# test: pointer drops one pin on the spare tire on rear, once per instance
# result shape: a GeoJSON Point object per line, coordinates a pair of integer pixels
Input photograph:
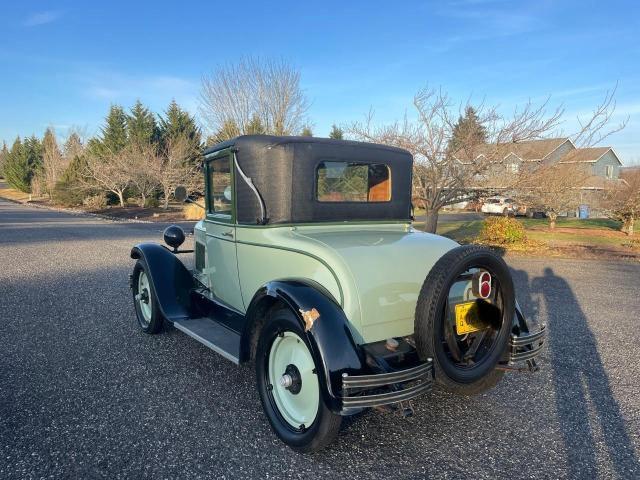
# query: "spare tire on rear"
{"type": "Point", "coordinates": [465, 363]}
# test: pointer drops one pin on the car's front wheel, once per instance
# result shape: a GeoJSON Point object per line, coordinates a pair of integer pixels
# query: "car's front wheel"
{"type": "Point", "coordinates": [145, 301]}
{"type": "Point", "coordinates": [288, 385]}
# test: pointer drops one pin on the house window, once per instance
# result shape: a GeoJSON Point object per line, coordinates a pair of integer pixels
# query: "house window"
{"type": "Point", "coordinates": [609, 171]}
{"type": "Point", "coordinates": [514, 167]}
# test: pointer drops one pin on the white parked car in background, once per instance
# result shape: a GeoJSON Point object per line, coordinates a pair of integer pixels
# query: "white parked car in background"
{"type": "Point", "coordinates": [500, 205]}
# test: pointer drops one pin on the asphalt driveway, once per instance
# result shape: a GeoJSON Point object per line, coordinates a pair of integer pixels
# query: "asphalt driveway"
{"type": "Point", "coordinates": [84, 394]}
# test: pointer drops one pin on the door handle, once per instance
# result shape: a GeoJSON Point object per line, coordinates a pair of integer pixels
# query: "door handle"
{"type": "Point", "coordinates": [228, 234]}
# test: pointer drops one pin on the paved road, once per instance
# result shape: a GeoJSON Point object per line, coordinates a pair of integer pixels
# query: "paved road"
{"type": "Point", "coordinates": [84, 394]}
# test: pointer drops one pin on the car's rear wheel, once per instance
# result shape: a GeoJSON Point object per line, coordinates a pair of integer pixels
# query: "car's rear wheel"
{"type": "Point", "coordinates": [144, 298]}
{"type": "Point", "coordinates": [288, 385]}
{"type": "Point", "coordinates": [465, 347]}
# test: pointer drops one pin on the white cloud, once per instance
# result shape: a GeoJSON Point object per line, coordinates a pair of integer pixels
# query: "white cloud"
{"type": "Point", "coordinates": [41, 18]}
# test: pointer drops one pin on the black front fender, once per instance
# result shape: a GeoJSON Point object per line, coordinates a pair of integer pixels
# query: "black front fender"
{"type": "Point", "coordinates": [332, 345]}
{"type": "Point", "coordinates": [170, 280]}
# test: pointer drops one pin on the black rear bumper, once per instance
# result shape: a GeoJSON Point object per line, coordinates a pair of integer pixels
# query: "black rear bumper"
{"type": "Point", "coordinates": [523, 350]}
{"type": "Point", "coordinates": [524, 346]}
{"type": "Point", "coordinates": [364, 391]}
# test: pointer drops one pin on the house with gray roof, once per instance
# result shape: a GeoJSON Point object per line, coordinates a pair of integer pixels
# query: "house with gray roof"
{"type": "Point", "coordinates": [508, 159]}
{"type": "Point", "coordinates": [602, 162]}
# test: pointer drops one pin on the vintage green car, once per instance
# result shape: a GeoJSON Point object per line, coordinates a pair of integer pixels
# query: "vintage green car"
{"type": "Point", "coordinates": [308, 265]}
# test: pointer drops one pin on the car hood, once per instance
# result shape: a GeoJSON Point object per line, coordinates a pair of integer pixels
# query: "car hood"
{"type": "Point", "coordinates": [387, 269]}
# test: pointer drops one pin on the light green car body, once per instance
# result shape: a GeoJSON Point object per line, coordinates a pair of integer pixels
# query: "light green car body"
{"type": "Point", "coordinates": [373, 270]}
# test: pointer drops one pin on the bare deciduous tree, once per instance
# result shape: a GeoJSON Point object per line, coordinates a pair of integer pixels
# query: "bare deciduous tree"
{"type": "Point", "coordinates": [108, 171]}
{"type": "Point", "coordinates": [74, 144]}
{"type": "Point", "coordinates": [268, 90]}
{"type": "Point", "coordinates": [175, 169]}
{"type": "Point", "coordinates": [597, 127]}
{"type": "Point", "coordinates": [556, 188]}
{"type": "Point", "coordinates": [53, 162]}
{"type": "Point", "coordinates": [623, 201]}
{"type": "Point", "coordinates": [142, 164]}
{"type": "Point", "coordinates": [552, 188]}
{"type": "Point", "coordinates": [442, 177]}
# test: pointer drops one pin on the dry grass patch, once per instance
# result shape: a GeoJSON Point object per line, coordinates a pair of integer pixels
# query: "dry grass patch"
{"type": "Point", "coordinates": [15, 195]}
{"type": "Point", "coordinates": [192, 211]}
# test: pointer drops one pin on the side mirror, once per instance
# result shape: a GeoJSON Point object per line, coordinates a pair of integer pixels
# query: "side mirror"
{"type": "Point", "coordinates": [180, 194]}
{"type": "Point", "coordinates": [227, 193]}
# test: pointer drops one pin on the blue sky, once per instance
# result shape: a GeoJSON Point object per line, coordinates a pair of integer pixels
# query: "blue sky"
{"type": "Point", "coordinates": [63, 63]}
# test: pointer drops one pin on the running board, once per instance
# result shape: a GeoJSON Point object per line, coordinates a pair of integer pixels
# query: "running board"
{"type": "Point", "coordinates": [210, 333]}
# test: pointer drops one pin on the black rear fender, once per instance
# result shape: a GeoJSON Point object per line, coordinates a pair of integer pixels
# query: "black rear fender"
{"type": "Point", "coordinates": [331, 341]}
{"type": "Point", "coordinates": [170, 280]}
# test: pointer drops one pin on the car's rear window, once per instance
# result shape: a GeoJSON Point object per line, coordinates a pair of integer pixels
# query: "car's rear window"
{"type": "Point", "coordinates": [353, 182]}
{"type": "Point", "coordinates": [493, 200]}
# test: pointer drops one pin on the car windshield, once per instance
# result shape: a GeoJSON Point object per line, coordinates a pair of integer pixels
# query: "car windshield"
{"type": "Point", "coordinates": [493, 200]}
{"type": "Point", "coordinates": [353, 182]}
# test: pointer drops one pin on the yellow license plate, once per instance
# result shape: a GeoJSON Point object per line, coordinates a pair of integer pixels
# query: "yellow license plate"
{"type": "Point", "coordinates": [467, 320]}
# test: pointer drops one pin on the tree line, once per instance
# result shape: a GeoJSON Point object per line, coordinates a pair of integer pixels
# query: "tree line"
{"type": "Point", "coordinates": [136, 154]}
{"type": "Point", "coordinates": [143, 155]}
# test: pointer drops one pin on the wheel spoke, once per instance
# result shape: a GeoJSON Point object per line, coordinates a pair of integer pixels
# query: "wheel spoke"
{"type": "Point", "coordinates": [450, 334]}
{"type": "Point", "coordinates": [475, 343]}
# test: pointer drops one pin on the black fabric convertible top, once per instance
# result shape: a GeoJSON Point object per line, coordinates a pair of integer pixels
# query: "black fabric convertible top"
{"type": "Point", "coordinates": [283, 169]}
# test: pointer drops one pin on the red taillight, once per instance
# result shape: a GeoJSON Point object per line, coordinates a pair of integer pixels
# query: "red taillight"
{"type": "Point", "coordinates": [482, 284]}
{"type": "Point", "coordinates": [485, 289]}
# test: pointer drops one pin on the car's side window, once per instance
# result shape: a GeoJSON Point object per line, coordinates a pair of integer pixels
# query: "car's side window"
{"type": "Point", "coordinates": [220, 188]}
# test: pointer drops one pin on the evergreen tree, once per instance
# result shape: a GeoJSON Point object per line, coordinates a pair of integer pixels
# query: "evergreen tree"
{"type": "Point", "coordinates": [16, 167]}
{"type": "Point", "coordinates": [3, 155]}
{"type": "Point", "coordinates": [336, 132]}
{"type": "Point", "coordinates": [228, 131]}
{"type": "Point", "coordinates": [33, 150]}
{"type": "Point", "coordinates": [141, 126]}
{"type": "Point", "coordinates": [468, 132]}
{"type": "Point", "coordinates": [255, 127]}
{"type": "Point", "coordinates": [114, 132]}
{"type": "Point", "coordinates": [176, 124]}
{"type": "Point", "coordinates": [306, 131]}
{"type": "Point", "coordinates": [68, 190]}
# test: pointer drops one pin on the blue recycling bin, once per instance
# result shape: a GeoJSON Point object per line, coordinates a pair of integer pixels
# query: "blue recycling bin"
{"type": "Point", "coordinates": [583, 211]}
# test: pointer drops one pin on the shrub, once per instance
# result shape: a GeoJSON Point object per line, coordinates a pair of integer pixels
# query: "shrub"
{"type": "Point", "coordinates": [68, 194]}
{"type": "Point", "coordinates": [192, 212]}
{"type": "Point", "coordinates": [502, 231]}
{"type": "Point", "coordinates": [151, 202]}
{"type": "Point", "coordinates": [95, 202]}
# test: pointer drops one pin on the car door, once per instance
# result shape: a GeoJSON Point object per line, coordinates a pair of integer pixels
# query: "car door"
{"type": "Point", "coordinates": [221, 253]}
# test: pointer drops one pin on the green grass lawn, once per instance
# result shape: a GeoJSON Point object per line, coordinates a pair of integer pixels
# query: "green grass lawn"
{"type": "Point", "coordinates": [598, 223]}
{"type": "Point", "coordinates": [598, 232]}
